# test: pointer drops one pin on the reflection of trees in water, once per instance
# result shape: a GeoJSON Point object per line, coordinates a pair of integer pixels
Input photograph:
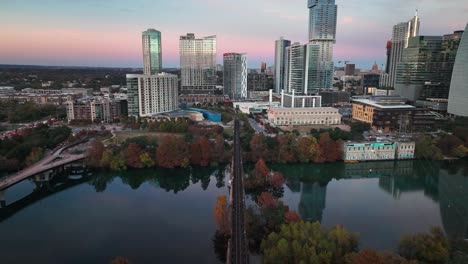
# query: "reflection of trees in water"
{"type": "Point", "coordinates": [171, 180]}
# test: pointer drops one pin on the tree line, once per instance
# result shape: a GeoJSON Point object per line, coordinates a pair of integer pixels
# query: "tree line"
{"type": "Point", "coordinates": [29, 147]}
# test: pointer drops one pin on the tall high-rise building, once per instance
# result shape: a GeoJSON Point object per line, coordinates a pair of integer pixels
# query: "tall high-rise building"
{"type": "Point", "coordinates": [295, 68]}
{"type": "Point", "coordinates": [280, 63]}
{"type": "Point", "coordinates": [400, 37]}
{"type": "Point", "coordinates": [152, 51]}
{"type": "Point", "coordinates": [235, 75]}
{"type": "Point", "coordinates": [425, 69]}
{"type": "Point", "coordinates": [198, 64]}
{"type": "Point", "coordinates": [152, 94]}
{"type": "Point", "coordinates": [303, 71]}
{"type": "Point", "coordinates": [458, 96]}
{"type": "Point", "coordinates": [322, 33]}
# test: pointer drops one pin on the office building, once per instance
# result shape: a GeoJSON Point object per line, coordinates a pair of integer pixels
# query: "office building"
{"type": "Point", "coordinates": [391, 113]}
{"type": "Point", "coordinates": [425, 69]}
{"type": "Point", "coordinates": [235, 76]}
{"type": "Point", "coordinates": [349, 69]}
{"type": "Point", "coordinates": [152, 94]}
{"type": "Point", "coordinates": [198, 64]}
{"type": "Point", "coordinates": [152, 52]}
{"type": "Point", "coordinates": [369, 82]}
{"type": "Point", "coordinates": [458, 97]}
{"type": "Point", "coordinates": [332, 98]}
{"type": "Point", "coordinates": [400, 38]}
{"type": "Point", "coordinates": [320, 116]}
{"type": "Point", "coordinates": [322, 33]}
{"type": "Point", "coordinates": [258, 82]}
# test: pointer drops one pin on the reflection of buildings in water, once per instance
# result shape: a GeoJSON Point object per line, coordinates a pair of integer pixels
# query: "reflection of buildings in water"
{"type": "Point", "coordinates": [409, 178]}
{"type": "Point", "coordinates": [453, 194]}
{"type": "Point", "coordinates": [312, 201]}
{"type": "Point", "coordinates": [378, 169]}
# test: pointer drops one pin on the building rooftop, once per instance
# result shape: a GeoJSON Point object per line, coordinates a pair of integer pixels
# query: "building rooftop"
{"type": "Point", "coordinates": [384, 104]}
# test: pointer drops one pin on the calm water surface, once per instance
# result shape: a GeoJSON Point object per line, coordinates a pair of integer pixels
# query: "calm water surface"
{"type": "Point", "coordinates": [165, 216]}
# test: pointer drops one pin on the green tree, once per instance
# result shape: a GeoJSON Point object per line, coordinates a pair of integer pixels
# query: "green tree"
{"type": "Point", "coordinates": [426, 149]}
{"type": "Point", "coordinates": [146, 160]}
{"type": "Point", "coordinates": [306, 242]}
{"type": "Point", "coordinates": [432, 247]}
{"type": "Point", "coordinates": [35, 155]}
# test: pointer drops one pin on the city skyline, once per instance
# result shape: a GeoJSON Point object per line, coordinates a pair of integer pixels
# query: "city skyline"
{"type": "Point", "coordinates": [57, 25]}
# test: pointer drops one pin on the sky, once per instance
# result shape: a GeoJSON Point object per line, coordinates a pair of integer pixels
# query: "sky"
{"type": "Point", "coordinates": [108, 32]}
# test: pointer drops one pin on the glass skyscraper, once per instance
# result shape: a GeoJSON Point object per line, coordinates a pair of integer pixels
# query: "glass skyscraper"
{"type": "Point", "coordinates": [458, 96]}
{"type": "Point", "coordinates": [280, 63]}
{"type": "Point", "coordinates": [235, 76]}
{"type": "Point", "coordinates": [198, 64]}
{"type": "Point", "coordinates": [322, 33]}
{"type": "Point", "coordinates": [400, 38]}
{"type": "Point", "coordinates": [152, 52]}
{"type": "Point", "coordinates": [425, 69]}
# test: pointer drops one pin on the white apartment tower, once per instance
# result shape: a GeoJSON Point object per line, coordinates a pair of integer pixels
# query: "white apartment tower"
{"type": "Point", "coordinates": [152, 94]}
{"type": "Point", "coordinates": [198, 64]}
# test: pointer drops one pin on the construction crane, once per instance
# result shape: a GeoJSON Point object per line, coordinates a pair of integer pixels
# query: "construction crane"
{"type": "Point", "coordinates": [345, 62]}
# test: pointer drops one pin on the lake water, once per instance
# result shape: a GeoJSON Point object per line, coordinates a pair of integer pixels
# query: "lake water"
{"type": "Point", "coordinates": [165, 216]}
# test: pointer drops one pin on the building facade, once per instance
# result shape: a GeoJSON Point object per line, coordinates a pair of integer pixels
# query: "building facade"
{"type": "Point", "coordinates": [320, 116]}
{"type": "Point", "coordinates": [458, 96]}
{"type": "Point", "coordinates": [369, 82]}
{"type": "Point", "coordinates": [295, 68]}
{"type": "Point", "coordinates": [96, 109]}
{"type": "Point", "coordinates": [400, 38]}
{"type": "Point", "coordinates": [349, 69]}
{"type": "Point", "coordinates": [293, 100]}
{"type": "Point", "coordinates": [152, 52]}
{"type": "Point", "coordinates": [152, 94]}
{"type": "Point", "coordinates": [235, 76]}
{"type": "Point", "coordinates": [373, 151]}
{"type": "Point", "coordinates": [391, 113]}
{"type": "Point", "coordinates": [198, 64]}
{"type": "Point", "coordinates": [332, 98]}
{"type": "Point", "coordinates": [322, 33]}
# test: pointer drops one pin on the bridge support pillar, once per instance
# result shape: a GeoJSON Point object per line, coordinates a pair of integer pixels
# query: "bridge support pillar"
{"type": "Point", "coordinates": [2, 198]}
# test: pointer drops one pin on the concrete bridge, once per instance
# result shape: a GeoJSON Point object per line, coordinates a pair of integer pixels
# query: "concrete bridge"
{"type": "Point", "coordinates": [57, 159]}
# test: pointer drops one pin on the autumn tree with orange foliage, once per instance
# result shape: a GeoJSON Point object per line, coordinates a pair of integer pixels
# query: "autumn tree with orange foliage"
{"type": "Point", "coordinates": [95, 152]}
{"type": "Point", "coordinates": [292, 217]}
{"type": "Point", "coordinates": [173, 152]}
{"type": "Point", "coordinates": [258, 147]}
{"type": "Point", "coordinates": [221, 215]}
{"type": "Point", "coordinates": [133, 156]}
{"type": "Point", "coordinates": [261, 169]}
{"type": "Point", "coordinates": [287, 146]}
{"type": "Point", "coordinates": [329, 150]}
{"type": "Point", "coordinates": [267, 200]}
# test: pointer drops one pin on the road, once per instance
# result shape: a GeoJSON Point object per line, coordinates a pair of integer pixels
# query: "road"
{"type": "Point", "coordinates": [256, 127]}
